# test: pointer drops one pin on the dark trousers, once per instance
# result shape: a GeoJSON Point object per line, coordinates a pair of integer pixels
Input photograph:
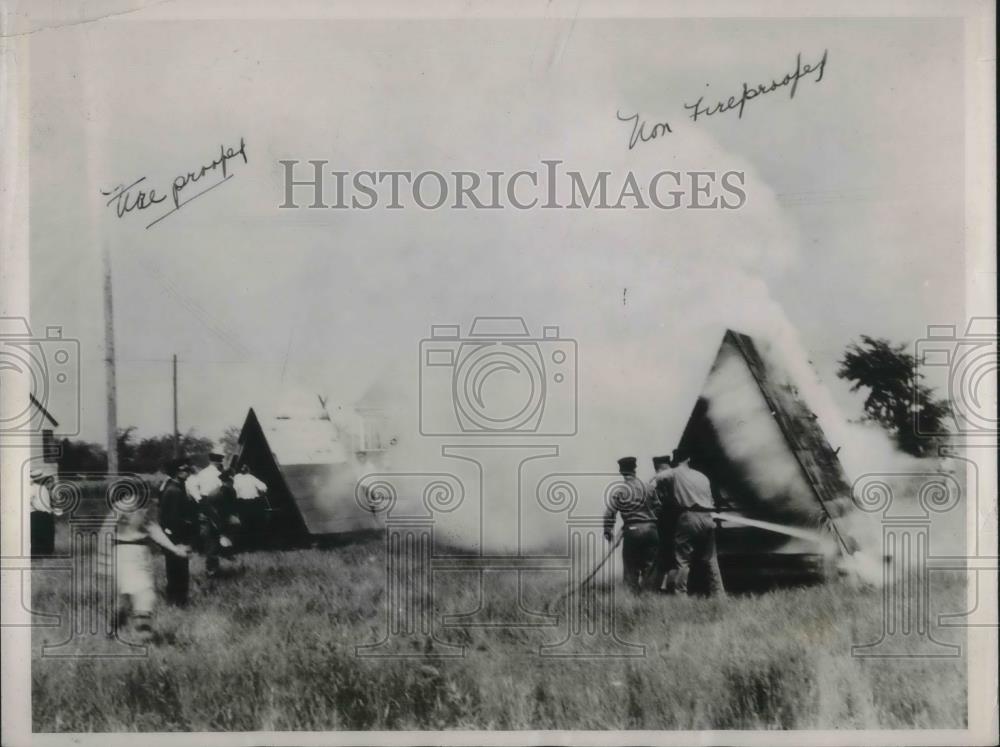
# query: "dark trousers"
{"type": "Point", "coordinates": [210, 528]}
{"type": "Point", "coordinates": [210, 545]}
{"type": "Point", "coordinates": [667, 526]}
{"type": "Point", "coordinates": [640, 548]}
{"type": "Point", "coordinates": [178, 579]}
{"type": "Point", "coordinates": [43, 534]}
{"type": "Point", "coordinates": [694, 545]}
{"type": "Point", "coordinates": [252, 515]}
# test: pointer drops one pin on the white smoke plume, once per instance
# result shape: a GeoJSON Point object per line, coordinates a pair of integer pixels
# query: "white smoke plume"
{"type": "Point", "coordinates": [645, 295]}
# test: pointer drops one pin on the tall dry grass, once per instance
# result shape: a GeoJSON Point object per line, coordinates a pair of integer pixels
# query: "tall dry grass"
{"type": "Point", "coordinates": [270, 645]}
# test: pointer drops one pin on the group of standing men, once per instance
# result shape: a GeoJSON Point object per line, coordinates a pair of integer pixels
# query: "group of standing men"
{"type": "Point", "coordinates": [194, 508]}
{"type": "Point", "coordinates": [205, 508]}
{"type": "Point", "coordinates": [202, 508]}
{"type": "Point", "coordinates": [667, 527]}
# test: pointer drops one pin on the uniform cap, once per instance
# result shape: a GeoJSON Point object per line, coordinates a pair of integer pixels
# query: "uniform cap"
{"type": "Point", "coordinates": [213, 457]}
{"type": "Point", "coordinates": [626, 464]}
{"type": "Point", "coordinates": [173, 465]}
{"type": "Point", "coordinates": [659, 461]}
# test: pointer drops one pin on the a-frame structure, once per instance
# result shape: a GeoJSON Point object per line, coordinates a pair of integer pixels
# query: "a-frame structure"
{"type": "Point", "coordinates": [765, 453]}
{"type": "Point", "coordinates": [310, 475]}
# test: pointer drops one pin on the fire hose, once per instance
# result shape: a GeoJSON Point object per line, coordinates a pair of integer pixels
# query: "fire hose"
{"type": "Point", "coordinates": [797, 532]}
{"type": "Point", "coordinates": [590, 576]}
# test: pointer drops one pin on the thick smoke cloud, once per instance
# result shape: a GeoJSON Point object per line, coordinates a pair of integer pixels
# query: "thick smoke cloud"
{"type": "Point", "coordinates": [646, 296]}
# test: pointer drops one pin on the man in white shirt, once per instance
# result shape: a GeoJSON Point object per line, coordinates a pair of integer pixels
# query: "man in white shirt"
{"type": "Point", "coordinates": [250, 504]}
{"type": "Point", "coordinates": [208, 481]}
{"type": "Point", "coordinates": [248, 487]}
{"type": "Point", "coordinates": [205, 490]}
{"type": "Point", "coordinates": [191, 486]}
{"type": "Point", "coordinates": [694, 536]}
{"type": "Point", "coordinates": [43, 524]}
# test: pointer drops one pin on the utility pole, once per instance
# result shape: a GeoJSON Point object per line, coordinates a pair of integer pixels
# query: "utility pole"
{"type": "Point", "coordinates": [177, 434]}
{"type": "Point", "coordinates": [109, 365]}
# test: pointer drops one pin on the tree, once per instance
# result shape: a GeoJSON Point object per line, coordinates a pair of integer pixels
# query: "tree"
{"type": "Point", "coordinates": [193, 445]}
{"type": "Point", "coordinates": [229, 443]}
{"type": "Point", "coordinates": [897, 399]}
{"type": "Point", "coordinates": [81, 456]}
{"type": "Point", "coordinates": [145, 456]}
{"type": "Point", "coordinates": [152, 453]}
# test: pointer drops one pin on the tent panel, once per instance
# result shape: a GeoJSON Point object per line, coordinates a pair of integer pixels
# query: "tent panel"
{"type": "Point", "coordinates": [313, 497]}
{"type": "Point", "coordinates": [762, 448]}
{"type": "Point", "coordinates": [324, 495]}
{"type": "Point", "coordinates": [801, 429]}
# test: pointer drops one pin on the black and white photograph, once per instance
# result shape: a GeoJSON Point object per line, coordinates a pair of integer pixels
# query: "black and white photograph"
{"type": "Point", "coordinates": [498, 372]}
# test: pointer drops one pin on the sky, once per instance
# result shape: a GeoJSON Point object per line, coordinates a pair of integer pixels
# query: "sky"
{"type": "Point", "coordinates": [853, 222]}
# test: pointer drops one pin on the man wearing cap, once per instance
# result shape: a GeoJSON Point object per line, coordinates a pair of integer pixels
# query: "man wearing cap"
{"type": "Point", "coordinates": [208, 481]}
{"type": "Point", "coordinates": [207, 490]}
{"type": "Point", "coordinates": [668, 516]}
{"type": "Point", "coordinates": [639, 507]}
{"type": "Point", "coordinates": [177, 519]}
{"type": "Point", "coordinates": [694, 537]}
{"type": "Point", "coordinates": [43, 523]}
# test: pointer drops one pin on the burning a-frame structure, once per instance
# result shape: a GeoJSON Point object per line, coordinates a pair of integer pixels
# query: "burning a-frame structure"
{"type": "Point", "coordinates": [769, 461]}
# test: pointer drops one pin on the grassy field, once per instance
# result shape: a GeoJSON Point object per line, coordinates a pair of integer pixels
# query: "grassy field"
{"type": "Point", "coordinates": [270, 644]}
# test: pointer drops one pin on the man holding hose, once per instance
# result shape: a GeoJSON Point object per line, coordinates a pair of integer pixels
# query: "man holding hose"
{"type": "Point", "coordinates": [640, 509]}
{"type": "Point", "coordinates": [694, 536]}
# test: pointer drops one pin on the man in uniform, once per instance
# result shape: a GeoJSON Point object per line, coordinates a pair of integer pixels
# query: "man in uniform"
{"type": "Point", "coordinates": [668, 516]}
{"type": "Point", "coordinates": [694, 538]}
{"type": "Point", "coordinates": [177, 517]}
{"type": "Point", "coordinates": [640, 509]}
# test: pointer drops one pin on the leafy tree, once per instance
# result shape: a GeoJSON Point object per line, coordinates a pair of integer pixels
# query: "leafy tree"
{"type": "Point", "coordinates": [144, 456]}
{"type": "Point", "coordinates": [229, 443]}
{"type": "Point", "coordinates": [897, 399]}
{"type": "Point", "coordinates": [195, 446]}
{"type": "Point", "coordinates": [150, 454]}
{"type": "Point", "coordinates": [81, 456]}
